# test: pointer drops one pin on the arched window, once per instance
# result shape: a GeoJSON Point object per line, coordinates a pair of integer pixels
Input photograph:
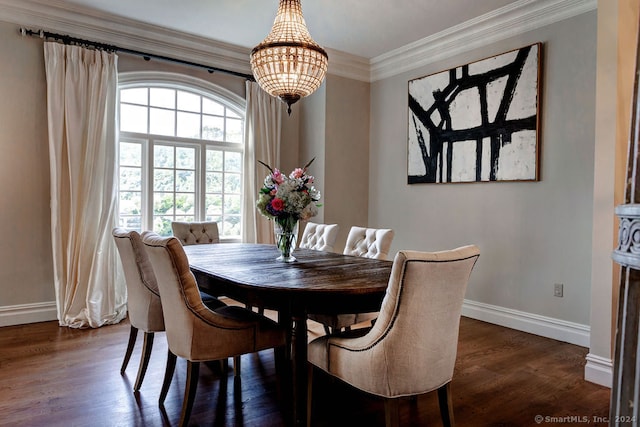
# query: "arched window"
{"type": "Point", "coordinates": [181, 150]}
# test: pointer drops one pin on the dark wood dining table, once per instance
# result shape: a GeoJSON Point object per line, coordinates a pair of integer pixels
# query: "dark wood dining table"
{"type": "Point", "coordinates": [317, 282]}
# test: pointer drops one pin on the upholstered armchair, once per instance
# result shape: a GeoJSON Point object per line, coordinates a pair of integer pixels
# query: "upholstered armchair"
{"type": "Point", "coordinates": [367, 243]}
{"type": "Point", "coordinates": [195, 233]}
{"type": "Point", "coordinates": [320, 237]}
{"type": "Point", "coordinates": [194, 332]}
{"type": "Point", "coordinates": [143, 298]}
{"type": "Point", "coordinates": [411, 348]}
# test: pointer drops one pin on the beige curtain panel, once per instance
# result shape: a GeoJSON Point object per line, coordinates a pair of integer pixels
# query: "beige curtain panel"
{"type": "Point", "coordinates": [82, 89]}
{"type": "Point", "coordinates": [263, 121]}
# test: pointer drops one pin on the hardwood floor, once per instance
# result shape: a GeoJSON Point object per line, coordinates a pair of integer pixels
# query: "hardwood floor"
{"type": "Point", "coordinates": [53, 376]}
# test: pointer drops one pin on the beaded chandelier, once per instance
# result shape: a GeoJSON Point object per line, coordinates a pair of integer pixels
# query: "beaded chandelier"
{"type": "Point", "coordinates": [288, 63]}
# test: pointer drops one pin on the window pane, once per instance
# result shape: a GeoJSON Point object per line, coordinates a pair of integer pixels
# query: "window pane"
{"type": "Point", "coordinates": [212, 107]}
{"type": "Point", "coordinates": [130, 179]}
{"type": "Point", "coordinates": [185, 204]}
{"type": "Point", "coordinates": [234, 130]}
{"type": "Point", "coordinates": [162, 225]}
{"type": "Point", "coordinates": [185, 158]}
{"type": "Point", "coordinates": [133, 118]}
{"type": "Point", "coordinates": [188, 101]}
{"type": "Point", "coordinates": [188, 218]}
{"type": "Point", "coordinates": [130, 203]}
{"type": "Point", "coordinates": [188, 125]}
{"type": "Point", "coordinates": [163, 180]}
{"type": "Point", "coordinates": [214, 160]}
{"type": "Point", "coordinates": [161, 97]}
{"type": "Point", "coordinates": [130, 154]}
{"type": "Point", "coordinates": [163, 203]}
{"type": "Point", "coordinates": [231, 226]}
{"type": "Point", "coordinates": [134, 96]}
{"type": "Point", "coordinates": [232, 162]}
{"type": "Point", "coordinates": [212, 128]}
{"type": "Point", "coordinates": [185, 181]}
{"type": "Point", "coordinates": [232, 183]}
{"type": "Point", "coordinates": [162, 122]}
{"type": "Point", "coordinates": [131, 222]}
{"type": "Point", "coordinates": [232, 205]}
{"type": "Point", "coordinates": [213, 204]}
{"type": "Point", "coordinates": [163, 156]}
{"type": "Point", "coordinates": [214, 182]}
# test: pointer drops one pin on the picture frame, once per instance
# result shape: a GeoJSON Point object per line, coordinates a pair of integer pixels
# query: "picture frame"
{"type": "Point", "coordinates": [478, 122]}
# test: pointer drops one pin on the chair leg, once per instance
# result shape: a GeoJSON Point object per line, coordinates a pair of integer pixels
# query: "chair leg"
{"type": "Point", "coordinates": [133, 334]}
{"type": "Point", "coordinates": [236, 366]}
{"type": "Point", "coordinates": [193, 369]}
{"type": "Point", "coordinates": [392, 412]}
{"type": "Point", "coordinates": [144, 359]}
{"type": "Point", "coordinates": [309, 392]}
{"type": "Point", "coordinates": [446, 405]}
{"type": "Point", "coordinates": [168, 376]}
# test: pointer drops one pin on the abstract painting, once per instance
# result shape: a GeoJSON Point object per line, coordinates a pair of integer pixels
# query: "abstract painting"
{"type": "Point", "coordinates": [478, 122]}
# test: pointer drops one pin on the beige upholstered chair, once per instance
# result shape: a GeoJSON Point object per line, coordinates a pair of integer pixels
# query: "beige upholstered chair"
{"type": "Point", "coordinates": [367, 243]}
{"type": "Point", "coordinates": [320, 237]}
{"type": "Point", "coordinates": [194, 332]}
{"type": "Point", "coordinates": [411, 348]}
{"type": "Point", "coordinates": [194, 233]}
{"type": "Point", "coordinates": [143, 298]}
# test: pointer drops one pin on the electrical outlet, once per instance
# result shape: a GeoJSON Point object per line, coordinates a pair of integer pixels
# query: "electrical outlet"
{"type": "Point", "coordinates": [558, 290]}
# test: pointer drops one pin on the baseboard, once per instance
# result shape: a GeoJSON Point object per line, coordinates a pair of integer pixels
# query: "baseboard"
{"type": "Point", "coordinates": [549, 327]}
{"type": "Point", "coordinates": [28, 313]}
{"type": "Point", "coordinates": [599, 370]}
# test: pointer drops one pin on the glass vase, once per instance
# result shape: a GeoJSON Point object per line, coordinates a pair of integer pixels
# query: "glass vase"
{"type": "Point", "coordinates": [286, 234]}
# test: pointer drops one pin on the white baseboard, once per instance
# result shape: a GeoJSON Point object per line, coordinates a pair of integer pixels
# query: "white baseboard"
{"type": "Point", "coordinates": [549, 327]}
{"type": "Point", "coordinates": [28, 313]}
{"type": "Point", "coordinates": [599, 370]}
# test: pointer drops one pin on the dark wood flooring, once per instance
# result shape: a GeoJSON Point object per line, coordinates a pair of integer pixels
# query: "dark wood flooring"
{"type": "Point", "coordinates": [54, 376]}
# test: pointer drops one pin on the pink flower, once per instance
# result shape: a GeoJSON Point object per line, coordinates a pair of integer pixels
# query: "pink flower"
{"type": "Point", "coordinates": [297, 173]}
{"type": "Point", "coordinates": [278, 178]}
{"type": "Point", "coordinates": [277, 204]}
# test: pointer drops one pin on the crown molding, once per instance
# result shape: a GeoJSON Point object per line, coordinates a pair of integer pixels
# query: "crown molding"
{"type": "Point", "coordinates": [57, 16]}
{"type": "Point", "coordinates": [509, 21]}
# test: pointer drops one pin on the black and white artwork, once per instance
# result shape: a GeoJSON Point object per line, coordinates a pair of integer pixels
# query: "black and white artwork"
{"type": "Point", "coordinates": [478, 122]}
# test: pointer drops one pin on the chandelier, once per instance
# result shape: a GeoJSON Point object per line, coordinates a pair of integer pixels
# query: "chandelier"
{"type": "Point", "coordinates": [288, 63]}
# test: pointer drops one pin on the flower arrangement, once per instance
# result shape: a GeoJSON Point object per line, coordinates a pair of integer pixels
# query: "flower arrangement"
{"type": "Point", "coordinates": [288, 197]}
{"type": "Point", "coordinates": [286, 200]}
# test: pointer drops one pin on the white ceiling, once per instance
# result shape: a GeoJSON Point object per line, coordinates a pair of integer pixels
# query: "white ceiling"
{"type": "Point", "coordinates": [366, 28]}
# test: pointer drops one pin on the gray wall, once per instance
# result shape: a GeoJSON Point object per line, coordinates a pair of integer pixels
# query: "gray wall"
{"type": "Point", "coordinates": [26, 267]}
{"type": "Point", "coordinates": [531, 234]}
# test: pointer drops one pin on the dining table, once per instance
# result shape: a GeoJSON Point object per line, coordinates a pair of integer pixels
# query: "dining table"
{"type": "Point", "coordinates": [317, 282]}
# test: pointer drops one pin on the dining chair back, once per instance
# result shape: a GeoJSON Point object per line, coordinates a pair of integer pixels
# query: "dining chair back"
{"type": "Point", "coordinates": [195, 233]}
{"type": "Point", "coordinates": [320, 237]}
{"type": "Point", "coordinates": [369, 242]}
{"type": "Point", "coordinates": [411, 348]}
{"type": "Point", "coordinates": [194, 332]}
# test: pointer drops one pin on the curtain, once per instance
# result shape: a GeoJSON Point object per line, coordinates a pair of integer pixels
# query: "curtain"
{"type": "Point", "coordinates": [263, 121]}
{"type": "Point", "coordinates": [82, 89]}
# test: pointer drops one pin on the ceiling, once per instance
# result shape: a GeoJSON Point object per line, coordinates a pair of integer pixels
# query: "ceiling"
{"type": "Point", "coordinates": [366, 28]}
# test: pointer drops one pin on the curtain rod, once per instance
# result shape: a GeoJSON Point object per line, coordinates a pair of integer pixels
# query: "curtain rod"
{"type": "Point", "coordinates": [111, 48]}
